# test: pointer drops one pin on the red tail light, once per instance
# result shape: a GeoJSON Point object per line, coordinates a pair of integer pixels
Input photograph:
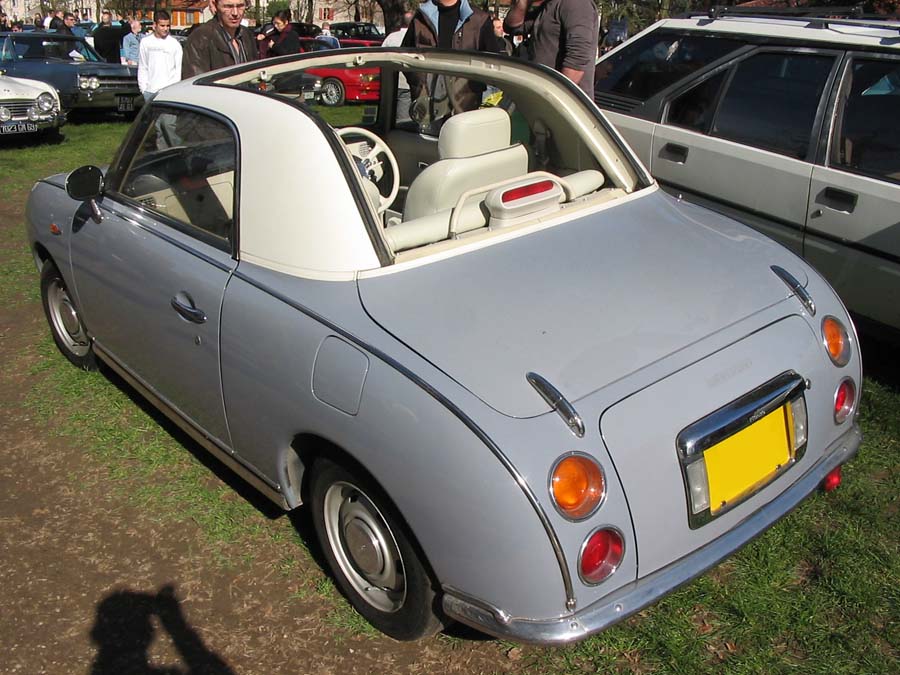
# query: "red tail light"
{"type": "Point", "coordinates": [844, 399]}
{"type": "Point", "coordinates": [832, 480]}
{"type": "Point", "coordinates": [601, 555]}
{"type": "Point", "coordinates": [527, 190]}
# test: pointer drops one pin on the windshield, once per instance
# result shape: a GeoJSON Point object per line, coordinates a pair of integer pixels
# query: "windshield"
{"type": "Point", "coordinates": [44, 47]}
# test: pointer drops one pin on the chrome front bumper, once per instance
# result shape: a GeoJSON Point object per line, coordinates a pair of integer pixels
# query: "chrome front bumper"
{"type": "Point", "coordinates": [643, 592]}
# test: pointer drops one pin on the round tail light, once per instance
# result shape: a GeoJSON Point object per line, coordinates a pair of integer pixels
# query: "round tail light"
{"type": "Point", "coordinates": [577, 486]}
{"type": "Point", "coordinates": [836, 340]}
{"type": "Point", "coordinates": [601, 555]}
{"type": "Point", "coordinates": [844, 400]}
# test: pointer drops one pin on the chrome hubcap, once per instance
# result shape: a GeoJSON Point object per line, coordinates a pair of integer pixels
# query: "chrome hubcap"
{"type": "Point", "coordinates": [66, 322]}
{"type": "Point", "coordinates": [330, 92]}
{"type": "Point", "coordinates": [364, 547]}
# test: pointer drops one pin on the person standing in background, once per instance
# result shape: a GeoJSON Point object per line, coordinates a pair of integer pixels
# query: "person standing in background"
{"type": "Point", "coordinates": [108, 38]}
{"type": "Point", "coordinates": [286, 41]}
{"type": "Point", "coordinates": [221, 41]}
{"type": "Point", "coordinates": [159, 57]}
{"type": "Point", "coordinates": [561, 34]}
{"type": "Point", "coordinates": [131, 44]}
{"type": "Point", "coordinates": [395, 39]}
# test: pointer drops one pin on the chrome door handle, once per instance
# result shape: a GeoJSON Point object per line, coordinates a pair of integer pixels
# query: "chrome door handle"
{"type": "Point", "coordinates": [188, 311]}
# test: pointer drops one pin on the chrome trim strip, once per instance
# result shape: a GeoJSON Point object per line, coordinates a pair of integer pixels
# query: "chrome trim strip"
{"type": "Point", "coordinates": [739, 414]}
{"type": "Point", "coordinates": [519, 479]}
{"type": "Point", "coordinates": [643, 592]}
{"type": "Point", "coordinates": [557, 402]}
{"type": "Point", "coordinates": [233, 462]}
{"type": "Point", "coordinates": [791, 282]}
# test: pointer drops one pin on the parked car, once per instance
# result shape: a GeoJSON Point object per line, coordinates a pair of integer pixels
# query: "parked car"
{"type": "Point", "coordinates": [341, 84]}
{"type": "Point", "coordinates": [357, 34]}
{"type": "Point", "coordinates": [516, 384]}
{"type": "Point", "coordinates": [28, 106]}
{"type": "Point", "coordinates": [789, 124]}
{"type": "Point", "coordinates": [82, 78]}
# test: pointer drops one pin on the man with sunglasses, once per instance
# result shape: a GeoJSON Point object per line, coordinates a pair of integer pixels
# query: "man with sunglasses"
{"type": "Point", "coordinates": [221, 41]}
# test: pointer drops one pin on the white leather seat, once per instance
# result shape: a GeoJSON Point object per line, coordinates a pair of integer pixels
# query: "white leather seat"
{"type": "Point", "coordinates": [474, 150]}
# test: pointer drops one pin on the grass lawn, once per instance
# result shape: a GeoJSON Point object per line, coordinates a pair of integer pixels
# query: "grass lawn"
{"type": "Point", "coordinates": [819, 593]}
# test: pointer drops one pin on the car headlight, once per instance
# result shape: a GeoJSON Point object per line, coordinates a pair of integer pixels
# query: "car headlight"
{"type": "Point", "coordinates": [45, 102]}
{"type": "Point", "coordinates": [84, 82]}
{"type": "Point", "coordinates": [33, 114]}
{"type": "Point", "coordinates": [5, 115]}
{"type": "Point", "coordinates": [368, 77]}
{"type": "Point", "coordinates": [93, 82]}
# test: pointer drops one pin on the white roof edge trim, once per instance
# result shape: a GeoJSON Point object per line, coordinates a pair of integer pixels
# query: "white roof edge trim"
{"type": "Point", "coordinates": [768, 26]}
{"type": "Point", "coordinates": [316, 275]}
{"type": "Point", "coordinates": [499, 236]}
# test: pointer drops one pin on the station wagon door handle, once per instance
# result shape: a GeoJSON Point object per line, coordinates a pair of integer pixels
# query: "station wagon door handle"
{"type": "Point", "coordinates": [674, 153]}
{"type": "Point", "coordinates": [838, 200]}
{"type": "Point", "coordinates": [184, 305]}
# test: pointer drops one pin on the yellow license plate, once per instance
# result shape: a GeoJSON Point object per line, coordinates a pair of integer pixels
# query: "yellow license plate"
{"type": "Point", "coordinates": [744, 462]}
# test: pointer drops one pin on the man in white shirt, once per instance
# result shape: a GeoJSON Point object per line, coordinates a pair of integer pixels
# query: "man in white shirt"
{"type": "Point", "coordinates": [159, 57]}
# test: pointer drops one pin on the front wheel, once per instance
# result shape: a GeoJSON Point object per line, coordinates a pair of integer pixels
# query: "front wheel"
{"type": "Point", "coordinates": [370, 554]}
{"type": "Point", "coordinates": [66, 327]}
{"type": "Point", "coordinates": [332, 92]}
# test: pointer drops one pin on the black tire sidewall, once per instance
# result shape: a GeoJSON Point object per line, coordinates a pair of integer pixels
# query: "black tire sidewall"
{"type": "Point", "coordinates": [50, 273]}
{"type": "Point", "coordinates": [417, 618]}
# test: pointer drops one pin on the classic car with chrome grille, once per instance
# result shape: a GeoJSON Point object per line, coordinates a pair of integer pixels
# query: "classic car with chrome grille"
{"type": "Point", "coordinates": [516, 384]}
{"type": "Point", "coordinates": [28, 106]}
{"type": "Point", "coordinates": [82, 78]}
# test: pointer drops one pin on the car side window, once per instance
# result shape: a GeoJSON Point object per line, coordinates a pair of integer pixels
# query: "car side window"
{"type": "Point", "coordinates": [646, 66]}
{"type": "Point", "coordinates": [867, 140]}
{"type": "Point", "coordinates": [772, 100]}
{"type": "Point", "coordinates": [694, 109]}
{"type": "Point", "coordinates": [184, 169]}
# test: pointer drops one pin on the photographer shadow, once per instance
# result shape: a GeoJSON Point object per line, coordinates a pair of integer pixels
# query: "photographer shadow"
{"type": "Point", "coordinates": [124, 630]}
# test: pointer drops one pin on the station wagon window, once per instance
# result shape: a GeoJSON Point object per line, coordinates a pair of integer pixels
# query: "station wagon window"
{"type": "Point", "coordinates": [695, 108]}
{"type": "Point", "coordinates": [772, 100]}
{"type": "Point", "coordinates": [646, 66]}
{"type": "Point", "coordinates": [184, 170]}
{"type": "Point", "coordinates": [867, 140]}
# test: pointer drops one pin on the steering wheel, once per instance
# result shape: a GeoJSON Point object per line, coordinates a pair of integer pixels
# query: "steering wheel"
{"type": "Point", "coordinates": [369, 158]}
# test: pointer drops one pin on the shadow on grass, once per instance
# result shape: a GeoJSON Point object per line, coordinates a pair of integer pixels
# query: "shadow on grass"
{"type": "Point", "coordinates": [250, 494]}
{"type": "Point", "coordinates": [124, 631]}
{"type": "Point", "coordinates": [880, 362]}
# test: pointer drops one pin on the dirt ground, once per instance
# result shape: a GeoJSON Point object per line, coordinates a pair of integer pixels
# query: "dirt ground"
{"type": "Point", "coordinates": [92, 582]}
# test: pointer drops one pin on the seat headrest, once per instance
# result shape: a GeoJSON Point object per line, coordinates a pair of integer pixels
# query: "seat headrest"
{"type": "Point", "coordinates": [474, 133]}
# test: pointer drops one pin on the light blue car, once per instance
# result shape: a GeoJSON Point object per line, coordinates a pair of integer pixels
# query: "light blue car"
{"type": "Point", "coordinates": [517, 384]}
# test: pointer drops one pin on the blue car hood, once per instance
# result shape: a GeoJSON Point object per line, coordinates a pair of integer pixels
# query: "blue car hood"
{"type": "Point", "coordinates": [583, 303]}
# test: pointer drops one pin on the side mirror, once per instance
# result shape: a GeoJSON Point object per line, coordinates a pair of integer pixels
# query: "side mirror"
{"type": "Point", "coordinates": [86, 184]}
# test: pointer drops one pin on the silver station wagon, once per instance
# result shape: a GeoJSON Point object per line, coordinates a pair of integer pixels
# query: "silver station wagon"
{"type": "Point", "coordinates": [517, 384]}
{"type": "Point", "coordinates": [788, 124]}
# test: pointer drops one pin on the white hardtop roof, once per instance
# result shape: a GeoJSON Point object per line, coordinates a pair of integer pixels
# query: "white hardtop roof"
{"type": "Point", "coordinates": [845, 31]}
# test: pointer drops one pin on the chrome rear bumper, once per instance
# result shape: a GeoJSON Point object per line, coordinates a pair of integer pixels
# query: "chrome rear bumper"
{"type": "Point", "coordinates": [639, 594]}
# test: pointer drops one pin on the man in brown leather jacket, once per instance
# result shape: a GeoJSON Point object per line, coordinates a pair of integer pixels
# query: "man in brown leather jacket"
{"type": "Point", "coordinates": [221, 41]}
{"type": "Point", "coordinates": [451, 24]}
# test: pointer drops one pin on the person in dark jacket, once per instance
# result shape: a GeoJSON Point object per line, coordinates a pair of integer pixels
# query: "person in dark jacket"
{"type": "Point", "coordinates": [286, 41]}
{"type": "Point", "coordinates": [68, 24]}
{"type": "Point", "coordinates": [221, 41]}
{"type": "Point", "coordinates": [108, 38]}
{"type": "Point", "coordinates": [448, 24]}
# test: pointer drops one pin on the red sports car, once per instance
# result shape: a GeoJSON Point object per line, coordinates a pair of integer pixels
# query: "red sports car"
{"type": "Point", "coordinates": [343, 84]}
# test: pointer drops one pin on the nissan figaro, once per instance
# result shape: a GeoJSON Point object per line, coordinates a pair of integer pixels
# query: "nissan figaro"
{"type": "Point", "coordinates": [516, 384]}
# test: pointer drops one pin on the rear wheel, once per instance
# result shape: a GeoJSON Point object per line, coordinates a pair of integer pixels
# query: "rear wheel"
{"type": "Point", "coordinates": [66, 327]}
{"type": "Point", "coordinates": [371, 555]}
{"type": "Point", "coordinates": [332, 92]}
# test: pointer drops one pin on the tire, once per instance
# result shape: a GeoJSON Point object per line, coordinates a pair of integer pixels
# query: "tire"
{"type": "Point", "coordinates": [371, 554]}
{"type": "Point", "coordinates": [66, 326]}
{"type": "Point", "coordinates": [332, 92]}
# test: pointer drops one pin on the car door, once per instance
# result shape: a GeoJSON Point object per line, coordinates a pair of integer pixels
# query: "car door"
{"type": "Point", "coordinates": [853, 226]}
{"type": "Point", "coordinates": [150, 276]}
{"type": "Point", "coordinates": [741, 140]}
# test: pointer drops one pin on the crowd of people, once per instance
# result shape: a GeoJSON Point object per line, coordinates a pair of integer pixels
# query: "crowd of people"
{"type": "Point", "coordinates": [561, 34]}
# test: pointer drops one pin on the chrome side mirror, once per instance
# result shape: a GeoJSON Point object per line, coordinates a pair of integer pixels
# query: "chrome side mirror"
{"type": "Point", "coordinates": [86, 184]}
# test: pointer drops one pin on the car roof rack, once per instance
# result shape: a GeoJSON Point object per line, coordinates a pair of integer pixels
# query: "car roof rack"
{"type": "Point", "coordinates": [815, 16]}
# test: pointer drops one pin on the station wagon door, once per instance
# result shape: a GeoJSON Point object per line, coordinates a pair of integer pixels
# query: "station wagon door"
{"type": "Point", "coordinates": [741, 139]}
{"type": "Point", "coordinates": [853, 231]}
